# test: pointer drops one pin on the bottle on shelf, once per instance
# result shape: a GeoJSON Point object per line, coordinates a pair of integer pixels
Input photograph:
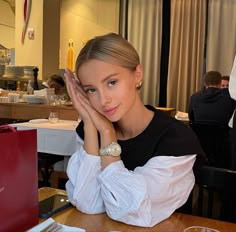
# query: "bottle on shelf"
{"type": "Point", "coordinates": [70, 56]}
{"type": "Point", "coordinates": [25, 87]}
{"type": "Point", "coordinates": [18, 89]}
{"type": "Point", "coordinates": [35, 86]}
{"type": "Point", "coordinates": [30, 89]}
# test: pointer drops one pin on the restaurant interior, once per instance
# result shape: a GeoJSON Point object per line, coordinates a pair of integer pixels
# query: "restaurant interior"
{"type": "Point", "coordinates": [178, 42]}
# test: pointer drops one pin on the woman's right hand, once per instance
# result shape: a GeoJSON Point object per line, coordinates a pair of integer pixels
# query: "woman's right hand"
{"type": "Point", "coordinates": [75, 91]}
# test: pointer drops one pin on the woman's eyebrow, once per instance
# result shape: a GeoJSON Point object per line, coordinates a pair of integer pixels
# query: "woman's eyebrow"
{"type": "Point", "coordinates": [103, 80]}
{"type": "Point", "coordinates": [109, 76]}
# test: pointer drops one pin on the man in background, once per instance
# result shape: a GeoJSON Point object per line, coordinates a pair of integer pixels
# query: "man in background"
{"type": "Point", "coordinates": [224, 82]}
{"type": "Point", "coordinates": [211, 105]}
{"type": "Point", "coordinates": [209, 112]}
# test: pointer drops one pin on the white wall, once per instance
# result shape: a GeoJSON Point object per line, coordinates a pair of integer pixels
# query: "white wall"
{"type": "Point", "coordinates": [7, 25]}
{"type": "Point", "coordinates": [83, 19]}
{"type": "Point", "coordinates": [79, 20]}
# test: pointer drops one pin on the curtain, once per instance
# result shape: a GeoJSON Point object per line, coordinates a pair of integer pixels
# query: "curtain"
{"type": "Point", "coordinates": [221, 39]}
{"type": "Point", "coordinates": [144, 33]}
{"type": "Point", "coordinates": [186, 51]}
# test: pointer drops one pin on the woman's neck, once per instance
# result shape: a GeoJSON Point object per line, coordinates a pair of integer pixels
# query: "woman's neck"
{"type": "Point", "coordinates": [133, 123]}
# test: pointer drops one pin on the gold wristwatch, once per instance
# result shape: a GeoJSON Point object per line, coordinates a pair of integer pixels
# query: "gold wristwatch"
{"type": "Point", "coordinates": [112, 149]}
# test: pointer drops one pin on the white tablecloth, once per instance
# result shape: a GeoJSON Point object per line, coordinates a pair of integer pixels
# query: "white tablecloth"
{"type": "Point", "coordinates": [54, 138]}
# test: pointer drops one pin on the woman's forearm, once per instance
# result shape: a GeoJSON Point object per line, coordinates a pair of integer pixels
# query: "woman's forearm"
{"type": "Point", "coordinates": [91, 139]}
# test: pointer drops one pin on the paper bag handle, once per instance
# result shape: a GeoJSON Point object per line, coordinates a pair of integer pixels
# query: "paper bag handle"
{"type": "Point", "coordinates": [8, 127]}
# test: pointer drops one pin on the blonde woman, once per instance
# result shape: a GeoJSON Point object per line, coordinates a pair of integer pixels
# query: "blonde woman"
{"type": "Point", "coordinates": [135, 163]}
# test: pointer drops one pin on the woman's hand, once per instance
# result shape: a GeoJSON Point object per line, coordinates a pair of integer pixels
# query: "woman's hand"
{"type": "Point", "coordinates": [82, 104]}
{"type": "Point", "coordinates": [88, 114]}
{"type": "Point", "coordinates": [75, 90]}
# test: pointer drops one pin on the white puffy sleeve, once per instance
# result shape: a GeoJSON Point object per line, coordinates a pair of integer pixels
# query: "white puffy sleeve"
{"type": "Point", "coordinates": [232, 88]}
{"type": "Point", "coordinates": [142, 197]}
{"type": "Point", "coordinates": [232, 81]}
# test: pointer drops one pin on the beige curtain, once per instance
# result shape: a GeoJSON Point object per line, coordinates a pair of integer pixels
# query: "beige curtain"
{"type": "Point", "coordinates": [144, 32]}
{"type": "Point", "coordinates": [221, 41]}
{"type": "Point", "coordinates": [186, 51]}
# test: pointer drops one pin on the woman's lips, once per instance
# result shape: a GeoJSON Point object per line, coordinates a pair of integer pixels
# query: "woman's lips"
{"type": "Point", "coordinates": [110, 111]}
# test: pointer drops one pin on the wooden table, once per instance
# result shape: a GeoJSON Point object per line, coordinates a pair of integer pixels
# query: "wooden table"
{"type": "Point", "coordinates": [101, 222]}
{"type": "Point", "coordinates": [168, 110]}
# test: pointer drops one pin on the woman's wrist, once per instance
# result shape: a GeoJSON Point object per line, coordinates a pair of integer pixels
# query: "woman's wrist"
{"type": "Point", "coordinates": [107, 160]}
{"type": "Point", "coordinates": [107, 136]}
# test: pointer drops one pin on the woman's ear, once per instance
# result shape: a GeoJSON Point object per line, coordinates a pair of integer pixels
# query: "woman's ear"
{"type": "Point", "coordinates": [139, 76]}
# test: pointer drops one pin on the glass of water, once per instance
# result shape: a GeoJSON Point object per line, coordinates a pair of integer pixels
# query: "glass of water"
{"type": "Point", "coordinates": [53, 117]}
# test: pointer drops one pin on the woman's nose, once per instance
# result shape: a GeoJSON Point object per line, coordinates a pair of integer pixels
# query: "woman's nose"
{"type": "Point", "coordinates": [105, 98]}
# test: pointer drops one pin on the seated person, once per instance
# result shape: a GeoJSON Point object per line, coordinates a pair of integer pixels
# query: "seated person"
{"type": "Point", "coordinates": [135, 162]}
{"type": "Point", "coordinates": [224, 82]}
{"type": "Point", "coordinates": [55, 81]}
{"type": "Point", "coordinates": [209, 112]}
{"type": "Point", "coordinates": [211, 105]}
{"type": "Point", "coordinates": [225, 85]}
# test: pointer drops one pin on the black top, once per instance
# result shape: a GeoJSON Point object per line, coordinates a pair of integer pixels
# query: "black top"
{"type": "Point", "coordinates": [211, 106]}
{"type": "Point", "coordinates": [164, 136]}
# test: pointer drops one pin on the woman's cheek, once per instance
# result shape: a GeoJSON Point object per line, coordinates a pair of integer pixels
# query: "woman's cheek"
{"type": "Point", "coordinates": [93, 102]}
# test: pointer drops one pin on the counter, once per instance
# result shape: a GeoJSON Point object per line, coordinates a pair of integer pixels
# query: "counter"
{"type": "Point", "coordinates": [28, 111]}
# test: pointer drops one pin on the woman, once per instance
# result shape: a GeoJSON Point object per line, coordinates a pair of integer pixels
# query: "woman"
{"type": "Point", "coordinates": [135, 162]}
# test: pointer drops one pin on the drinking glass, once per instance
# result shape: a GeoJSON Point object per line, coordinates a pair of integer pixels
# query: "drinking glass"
{"type": "Point", "coordinates": [53, 117]}
{"type": "Point", "coordinates": [200, 229]}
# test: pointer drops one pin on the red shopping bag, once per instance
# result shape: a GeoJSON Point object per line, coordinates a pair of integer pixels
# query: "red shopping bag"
{"type": "Point", "coordinates": [18, 179]}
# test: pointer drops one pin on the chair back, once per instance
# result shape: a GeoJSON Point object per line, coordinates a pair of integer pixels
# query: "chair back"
{"type": "Point", "coordinates": [215, 143]}
{"type": "Point", "coordinates": [216, 193]}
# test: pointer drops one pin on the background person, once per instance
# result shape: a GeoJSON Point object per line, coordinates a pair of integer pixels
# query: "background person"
{"type": "Point", "coordinates": [224, 82]}
{"type": "Point", "coordinates": [55, 81]}
{"type": "Point", "coordinates": [211, 105]}
{"type": "Point", "coordinates": [209, 112]}
{"type": "Point", "coordinates": [135, 162]}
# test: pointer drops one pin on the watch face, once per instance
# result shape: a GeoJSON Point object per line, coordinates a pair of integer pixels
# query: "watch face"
{"type": "Point", "coordinates": [112, 149]}
{"type": "Point", "coordinates": [115, 150]}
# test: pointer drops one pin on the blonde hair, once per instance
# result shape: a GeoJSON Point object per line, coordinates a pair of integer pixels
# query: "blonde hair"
{"type": "Point", "coordinates": [110, 48]}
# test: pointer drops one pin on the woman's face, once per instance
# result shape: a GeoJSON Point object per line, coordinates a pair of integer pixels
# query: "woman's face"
{"type": "Point", "coordinates": [111, 89]}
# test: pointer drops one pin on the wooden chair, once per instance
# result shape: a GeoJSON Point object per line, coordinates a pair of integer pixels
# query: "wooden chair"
{"type": "Point", "coordinates": [45, 167]}
{"type": "Point", "coordinates": [56, 177]}
{"type": "Point", "coordinates": [216, 193]}
{"type": "Point", "coordinates": [215, 143]}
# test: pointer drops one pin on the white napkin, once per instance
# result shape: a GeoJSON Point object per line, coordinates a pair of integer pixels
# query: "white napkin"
{"type": "Point", "coordinates": [182, 116]}
{"type": "Point", "coordinates": [40, 120]}
{"type": "Point", "coordinates": [41, 92]}
{"type": "Point", "coordinates": [44, 224]}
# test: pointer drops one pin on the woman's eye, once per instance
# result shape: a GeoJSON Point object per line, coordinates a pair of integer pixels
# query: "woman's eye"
{"type": "Point", "coordinates": [111, 83]}
{"type": "Point", "coordinates": [90, 91]}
